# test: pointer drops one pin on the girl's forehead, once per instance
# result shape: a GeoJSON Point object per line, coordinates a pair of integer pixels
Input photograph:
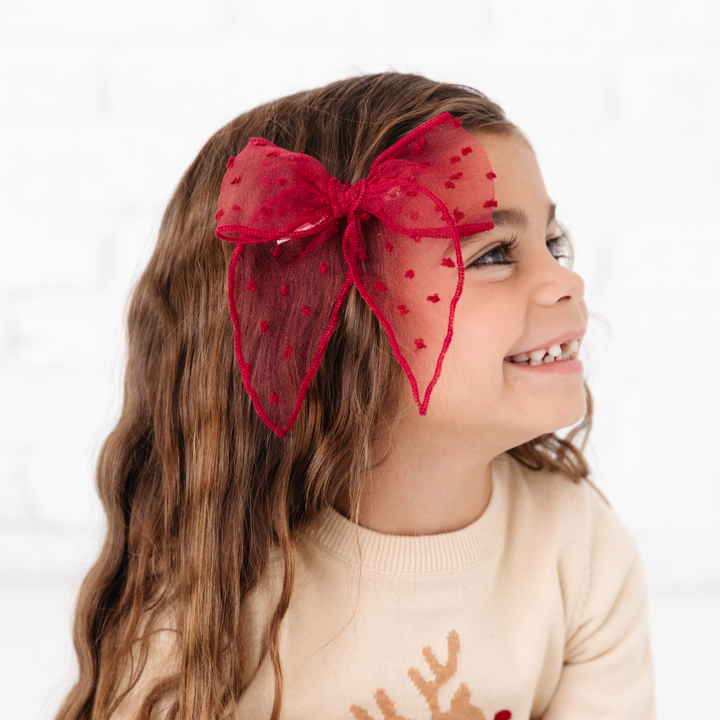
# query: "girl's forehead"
{"type": "Point", "coordinates": [519, 186]}
{"type": "Point", "coordinates": [509, 152]}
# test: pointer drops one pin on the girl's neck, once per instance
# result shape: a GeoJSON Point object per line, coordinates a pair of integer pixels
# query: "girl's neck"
{"type": "Point", "coordinates": [426, 485]}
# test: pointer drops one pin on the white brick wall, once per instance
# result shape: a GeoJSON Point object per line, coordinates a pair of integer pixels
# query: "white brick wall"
{"type": "Point", "coordinates": [103, 105]}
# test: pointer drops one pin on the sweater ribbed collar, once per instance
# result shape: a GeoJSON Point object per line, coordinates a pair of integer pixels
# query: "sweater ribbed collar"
{"type": "Point", "coordinates": [445, 552]}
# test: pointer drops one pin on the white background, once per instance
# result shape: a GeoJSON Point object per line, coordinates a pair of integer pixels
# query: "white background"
{"type": "Point", "coordinates": [103, 103]}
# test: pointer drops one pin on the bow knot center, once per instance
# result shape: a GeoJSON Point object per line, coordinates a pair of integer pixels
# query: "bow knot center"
{"type": "Point", "coordinates": [345, 198]}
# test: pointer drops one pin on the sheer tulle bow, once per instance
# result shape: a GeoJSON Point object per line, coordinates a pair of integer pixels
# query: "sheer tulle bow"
{"type": "Point", "coordinates": [303, 238]}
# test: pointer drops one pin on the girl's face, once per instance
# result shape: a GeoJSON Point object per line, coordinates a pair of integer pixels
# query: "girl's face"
{"type": "Point", "coordinates": [517, 297]}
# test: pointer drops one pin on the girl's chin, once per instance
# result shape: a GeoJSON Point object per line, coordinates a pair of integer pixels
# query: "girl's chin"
{"type": "Point", "coordinates": [566, 411]}
{"type": "Point", "coordinates": [566, 420]}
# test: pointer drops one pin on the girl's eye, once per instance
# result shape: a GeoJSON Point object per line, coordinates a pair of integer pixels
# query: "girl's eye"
{"type": "Point", "coordinates": [560, 248]}
{"type": "Point", "coordinates": [499, 255]}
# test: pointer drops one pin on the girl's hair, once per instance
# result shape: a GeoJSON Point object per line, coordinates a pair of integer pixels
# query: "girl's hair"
{"type": "Point", "coordinates": [197, 490]}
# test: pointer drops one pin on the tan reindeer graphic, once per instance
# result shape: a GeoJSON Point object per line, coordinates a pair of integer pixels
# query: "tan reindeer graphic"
{"type": "Point", "coordinates": [460, 706]}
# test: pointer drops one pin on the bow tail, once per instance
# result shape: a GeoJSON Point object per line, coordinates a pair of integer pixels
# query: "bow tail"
{"type": "Point", "coordinates": [412, 283]}
{"type": "Point", "coordinates": [285, 298]}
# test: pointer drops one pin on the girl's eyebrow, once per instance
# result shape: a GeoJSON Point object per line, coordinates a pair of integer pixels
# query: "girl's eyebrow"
{"type": "Point", "coordinates": [518, 217]}
{"type": "Point", "coordinates": [511, 216]}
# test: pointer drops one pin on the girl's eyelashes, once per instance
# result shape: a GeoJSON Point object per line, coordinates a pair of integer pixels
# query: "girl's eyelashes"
{"type": "Point", "coordinates": [503, 254]}
{"type": "Point", "coordinates": [560, 248]}
{"type": "Point", "coordinates": [500, 254]}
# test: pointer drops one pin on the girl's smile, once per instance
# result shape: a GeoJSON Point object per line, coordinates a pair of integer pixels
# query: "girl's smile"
{"type": "Point", "coordinates": [560, 355]}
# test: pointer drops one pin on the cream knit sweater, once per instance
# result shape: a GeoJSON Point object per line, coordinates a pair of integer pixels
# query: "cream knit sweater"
{"type": "Point", "coordinates": [536, 610]}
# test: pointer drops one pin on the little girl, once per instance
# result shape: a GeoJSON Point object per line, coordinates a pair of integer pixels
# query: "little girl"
{"type": "Point", "coordinates": [343, 496]}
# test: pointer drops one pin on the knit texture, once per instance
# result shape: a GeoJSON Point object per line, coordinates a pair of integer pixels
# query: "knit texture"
{"type": "Point", "coordinates": [536, 610]}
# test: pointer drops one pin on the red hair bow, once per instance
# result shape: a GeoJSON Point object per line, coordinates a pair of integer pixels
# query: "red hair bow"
{"type": "Point", "coordinates": [303, 238]}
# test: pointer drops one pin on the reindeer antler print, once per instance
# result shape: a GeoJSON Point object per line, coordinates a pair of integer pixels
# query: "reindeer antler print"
{"type": "Point", "coordinates": [429, 688]}
{"type": "Point", "coordinates": [460, 706]}
{"type": "Point", "coordinates": [384, 703]}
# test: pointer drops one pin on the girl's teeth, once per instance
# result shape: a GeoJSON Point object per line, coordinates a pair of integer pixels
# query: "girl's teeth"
{"type": "Point", "coordinates": [566, 351]}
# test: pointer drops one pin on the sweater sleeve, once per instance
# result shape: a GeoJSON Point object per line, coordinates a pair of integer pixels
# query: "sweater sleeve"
{"type": "Point", "coordinates": [607, 672]}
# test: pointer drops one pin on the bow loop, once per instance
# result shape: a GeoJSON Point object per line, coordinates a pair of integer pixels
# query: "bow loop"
{"type": "Point", "coordinates": [400, 246]}
{"type": "Point", "coordinates": [269, 193]}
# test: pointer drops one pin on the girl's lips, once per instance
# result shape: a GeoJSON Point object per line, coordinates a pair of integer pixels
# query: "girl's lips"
{"type": "Point", "coordinates": [557, 367]}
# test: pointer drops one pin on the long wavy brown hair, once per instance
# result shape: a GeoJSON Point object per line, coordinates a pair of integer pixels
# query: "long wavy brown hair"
{"type": "Point", "coordinates": [197, 491]}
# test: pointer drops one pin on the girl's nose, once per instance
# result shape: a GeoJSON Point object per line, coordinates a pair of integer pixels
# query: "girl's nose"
{"type": "Point", "coordinates": [559, 284]}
